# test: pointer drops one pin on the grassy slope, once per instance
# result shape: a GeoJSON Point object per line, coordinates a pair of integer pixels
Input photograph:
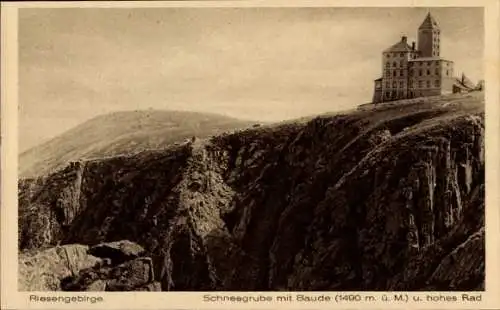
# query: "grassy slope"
{"type": "Point", "coordinates": [122, 133]}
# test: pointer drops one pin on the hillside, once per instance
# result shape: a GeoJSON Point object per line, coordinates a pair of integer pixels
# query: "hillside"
{"type": "Point", "coordinates": [386, 197]}
{"type": "Point", "coordinates": [122, 133]}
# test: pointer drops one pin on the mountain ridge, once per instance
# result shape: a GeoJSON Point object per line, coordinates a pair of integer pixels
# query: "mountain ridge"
{"type": "Point", "coordinates": [121, 133]}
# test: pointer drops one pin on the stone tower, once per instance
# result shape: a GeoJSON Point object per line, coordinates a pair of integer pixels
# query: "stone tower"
{"type": "Point", "coordinates": [428, 37]}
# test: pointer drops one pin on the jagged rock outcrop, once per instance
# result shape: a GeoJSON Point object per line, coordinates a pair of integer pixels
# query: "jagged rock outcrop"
{"type": "Point", "coordinates": [113, 266]}
{"type": "Point", "coordinates": [384, 198]}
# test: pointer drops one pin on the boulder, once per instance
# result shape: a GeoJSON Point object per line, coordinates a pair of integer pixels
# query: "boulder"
{"type": "Point", "coordinates": [117, 251]}
{"type": "Point", "coordinates": [44, 270]}
{"type": "Point", "coordinates": [131, 275]}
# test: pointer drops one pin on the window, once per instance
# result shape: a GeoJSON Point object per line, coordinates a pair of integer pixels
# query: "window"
{"type": "Point", "coordinates": [401, 63]}
{"type": "Point", "coordinates": [387, 64]}
{"type": "Point", "coordinates": [401, 84]}
{"type": "Point", "coordinates": [410, 72]}
{"type": "Point", "coordinates": [388, 55]}
{"type": "Point", "coordinates": [394, 64]}
{"type": "Point", "coordinates": [436, 83]}
{"type": "Point", "coordinates": [428, 84]}
{"type": "Point", "coordinates": [394, 72]}
{"type": "Point", "coordinates": [394, 85]}
{"type": "Point", "coordinates": [428, 72]}
{"type": "Point", "coordinates": [387, 73]}
{"type": "Point", "coordinates": [437, 71]}
{"type": "Point", "coordinates": [447, 72]}
{"type": "Point", "coordinates": [420, 72]}
{"type": "Point", "coordinates": [387, 85]}
{"type": "Point", "coordinates": [401, 73]}
{"type": "Point", "coordinates": [419, 84]}
{"type": "Point", "coordinates": [387, 95]}
{"type": "Point", "coordinates": [411, 83]}
{"type": "Point", "coordinates": [401, 54]}
{"type": "Point", "coordinates": [429, 63]}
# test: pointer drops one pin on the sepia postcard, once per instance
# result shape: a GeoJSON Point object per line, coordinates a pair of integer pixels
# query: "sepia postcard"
{"type": "Point", "coordinates": [250, 155]}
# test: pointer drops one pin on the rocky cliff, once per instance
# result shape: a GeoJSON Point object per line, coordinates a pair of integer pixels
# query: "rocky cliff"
{"type": "Point", "coordinates": [387, 197]}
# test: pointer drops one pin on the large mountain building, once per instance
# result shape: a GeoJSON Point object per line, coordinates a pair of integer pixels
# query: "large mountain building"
{"type": "Point", "coordinates": [411, 71]}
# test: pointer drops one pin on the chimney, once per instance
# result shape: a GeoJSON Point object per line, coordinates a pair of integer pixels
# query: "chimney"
{"type": "Point", "coordinates": [403, 39]}
{"type": "Point", "coordinates": [413, 45]}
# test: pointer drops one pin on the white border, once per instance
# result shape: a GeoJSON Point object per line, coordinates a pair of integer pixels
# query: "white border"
{"type": "Point", "coordinates": [11, 299]}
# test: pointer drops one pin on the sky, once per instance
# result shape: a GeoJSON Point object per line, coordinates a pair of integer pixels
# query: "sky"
{"type": "Point", "coordinates": [267, 64]}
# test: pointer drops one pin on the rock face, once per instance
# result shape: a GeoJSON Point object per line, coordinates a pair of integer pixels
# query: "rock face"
{"type": "Point", "coordinates": [384, 198]}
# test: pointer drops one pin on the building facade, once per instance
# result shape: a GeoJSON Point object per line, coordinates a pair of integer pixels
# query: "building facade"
{"type": "Point", "coordinates": [410, 71]}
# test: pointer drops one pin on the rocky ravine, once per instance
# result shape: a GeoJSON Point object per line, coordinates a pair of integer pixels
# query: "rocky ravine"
{"type": "Point", "coordinates": [384, 198]}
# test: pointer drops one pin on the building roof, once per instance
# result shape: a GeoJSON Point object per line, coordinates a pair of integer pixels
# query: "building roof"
{"type": "Point", "coordinates": [460, 85]}
{"type": "Point", "coordinates": [401, 46]}
{"type": "Point", "coordinates": [465, 81]}
{"type": "Point", "coordinates": [429, 23]}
